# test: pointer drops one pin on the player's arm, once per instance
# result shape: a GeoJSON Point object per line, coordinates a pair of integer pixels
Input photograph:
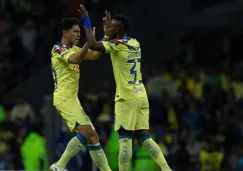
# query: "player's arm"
{"type": "Point", "coordinates": [94, 55]}
{"type": "Point", "coordinates": [92, 42]}
{"type": "Point", "coordinates": [84, 53]}
{"type": "Point", "coordinates": [78, 57]}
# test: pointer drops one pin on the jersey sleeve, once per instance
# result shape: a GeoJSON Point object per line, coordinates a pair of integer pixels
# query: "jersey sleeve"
{"type": "Point", "coordinates": [111, 46]}
{"type": "Point", "coordinates": [64, 53]}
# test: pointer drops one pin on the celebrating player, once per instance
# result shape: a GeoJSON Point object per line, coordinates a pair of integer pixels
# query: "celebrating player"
{"type": "Point", "coordinates": [131, 101]}
{"type": "Point", "coordinates": [66, 57]}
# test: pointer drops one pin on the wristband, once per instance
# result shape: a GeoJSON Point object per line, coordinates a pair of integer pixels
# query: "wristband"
{"type": "Point", "coordinates": [86, 21]}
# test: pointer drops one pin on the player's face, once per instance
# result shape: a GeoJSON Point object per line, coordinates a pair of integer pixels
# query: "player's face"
{"type": "Point", "coordinates": [113, 29]}
{"type": "Point", "coordinates": [73, 35]}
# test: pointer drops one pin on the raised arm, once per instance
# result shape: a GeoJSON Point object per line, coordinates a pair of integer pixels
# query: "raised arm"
{"type": "Point", "coordinates": [78, 57]}
{"type": "Point", "coordinates": [94, 55]}
{"type": "Point", "coordinates": [90, 54]}
{"type": "Point", "coordinates": [92, 42]}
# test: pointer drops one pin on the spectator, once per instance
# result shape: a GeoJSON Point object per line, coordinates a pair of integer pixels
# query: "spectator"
{"type": "Point", "coordinates": [33, 151]}
{"type": "Point", "coordinates": [22, 111]}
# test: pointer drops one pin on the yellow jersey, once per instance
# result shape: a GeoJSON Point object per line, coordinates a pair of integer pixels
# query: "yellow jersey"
{"type": "Point", "coordinates": [126, 56]}
{"type": "Point", "coordinates": [65, 75]}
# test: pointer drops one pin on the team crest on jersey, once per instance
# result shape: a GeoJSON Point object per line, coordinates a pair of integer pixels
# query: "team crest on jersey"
{"type": "Point", "coordinates": [76, 68]}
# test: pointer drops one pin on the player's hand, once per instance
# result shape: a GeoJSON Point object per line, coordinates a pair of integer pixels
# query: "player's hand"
{"type": "Point", "coordinates": [85, 18]}
{"type": "Point", "coordinates": [107, 18]}
{"type": "Point", "coordinates": [82, 11]}
{"type": "Point", "coordinates": [105, 28]}
{"type": "Point", "coordinates": [106, 22]}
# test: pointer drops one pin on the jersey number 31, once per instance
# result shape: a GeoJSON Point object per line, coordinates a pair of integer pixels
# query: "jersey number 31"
{"type": "Point", "coordinates": [135, 70]}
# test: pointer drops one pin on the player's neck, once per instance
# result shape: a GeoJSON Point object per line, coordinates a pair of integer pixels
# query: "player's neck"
{"type": "Point", "coordinates": [65, 41]}
{"type": "Point", "coordinates": [121, 36]}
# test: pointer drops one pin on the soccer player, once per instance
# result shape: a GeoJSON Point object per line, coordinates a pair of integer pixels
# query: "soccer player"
{"type": "Point", "coordinates": [131, 101]}
{"type": "Point", "coordinates": [66, 57]}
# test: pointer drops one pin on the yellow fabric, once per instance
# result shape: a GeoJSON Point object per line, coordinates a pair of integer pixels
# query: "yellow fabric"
{"type": "Point", "coordinates": [65, 75]}
{"type": "Point", "coordinates": [73, 113]}
{"type": "Point", "coordinates": [126, 57]}
{"type": "Point", "coordinates": [210, 161]}
{"type": "Point", "coordinates": [172, 119]}
{"type": "Point", "coordinates": [132, 114]}
{"type": "Point", "coordinates": [238, 89]}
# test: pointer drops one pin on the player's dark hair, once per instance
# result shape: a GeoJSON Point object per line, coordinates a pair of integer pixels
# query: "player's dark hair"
{"type": "Point", "coordinates": [67, 24]}
{"type": "Point", "coordinates": [124, 20]}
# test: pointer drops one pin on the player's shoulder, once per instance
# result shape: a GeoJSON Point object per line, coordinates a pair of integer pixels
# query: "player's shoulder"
{"type": "Point", "coordinates": [130, 41]}
{"type": "Point", "coordinates": [60, 48]}
{"type": "Point", "coordinates": [133, 41]}
{"type": "Point", "coordinates": [126, 41]}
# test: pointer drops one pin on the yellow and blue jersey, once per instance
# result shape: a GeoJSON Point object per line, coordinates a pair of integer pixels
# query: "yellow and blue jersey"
{"type": "Point", "coordinates": [126, 57]}
{"type": "Point", "coordinates": [65, 75]}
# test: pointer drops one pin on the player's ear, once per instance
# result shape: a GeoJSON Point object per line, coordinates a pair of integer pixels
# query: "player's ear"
{"type": "Point", "coordinates": [64, 32]}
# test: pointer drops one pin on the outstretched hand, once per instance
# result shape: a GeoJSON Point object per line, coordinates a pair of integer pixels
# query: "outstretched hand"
{"type": "Point", "coordinates": [85, 17]}
{"type": "Point", "coordinates": [107, 18]}
{"type": "Point", "coordinates": [92, 42]}
{"type": "Point", "coordinates": [106, 22]}
{"type": "Point", "coordinates": [82, 11]}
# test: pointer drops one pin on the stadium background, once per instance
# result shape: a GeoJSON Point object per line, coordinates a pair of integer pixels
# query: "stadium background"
{"type": "Point", "coordinates": [192, 66]}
